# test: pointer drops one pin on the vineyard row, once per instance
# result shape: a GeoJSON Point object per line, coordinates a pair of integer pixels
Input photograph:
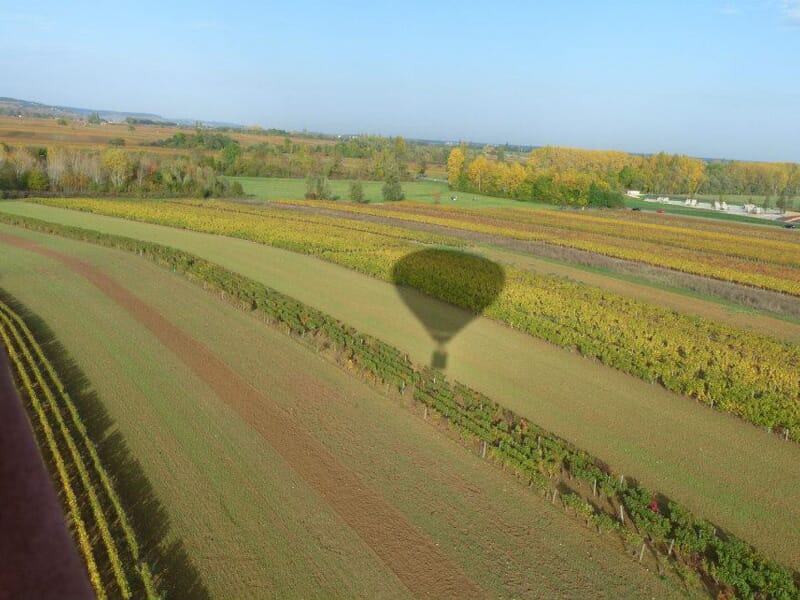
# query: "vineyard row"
{"type": "Point", "coordinates": [749, 260]}
{"type": "Point", "coordinates": [100, 525]}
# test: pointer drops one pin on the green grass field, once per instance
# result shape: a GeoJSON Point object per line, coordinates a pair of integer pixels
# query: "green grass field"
{"type": "Point", "coordinates": [252, 525]}
{"type": "Point", "coordinates": [278, 188]}
{"type": "Point", "coordinates": [641, 429]}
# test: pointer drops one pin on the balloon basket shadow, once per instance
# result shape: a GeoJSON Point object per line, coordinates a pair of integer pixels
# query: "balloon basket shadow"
{"type": "Point", "coordinates": [439, 359]}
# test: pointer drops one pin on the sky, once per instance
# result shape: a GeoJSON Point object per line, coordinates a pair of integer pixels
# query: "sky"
{"type": "Point", "coordinates": [707, 78]}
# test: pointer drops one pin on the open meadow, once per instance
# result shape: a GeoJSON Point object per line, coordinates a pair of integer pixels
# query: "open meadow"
{"type": "Point", "coordinates": [423, 191]}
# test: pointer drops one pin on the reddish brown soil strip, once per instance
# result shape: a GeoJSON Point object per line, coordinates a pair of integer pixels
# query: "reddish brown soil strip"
{"type": "Point", "coordinates": [37, 556]}
{"type": "Point", "coordinates": [408, 552]}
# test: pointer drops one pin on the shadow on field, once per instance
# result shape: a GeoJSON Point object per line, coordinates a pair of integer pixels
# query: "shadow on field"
{"type": "Point", "coordinates": [469, 281]}
{"type": "Point", "coordinates": [174, 573]}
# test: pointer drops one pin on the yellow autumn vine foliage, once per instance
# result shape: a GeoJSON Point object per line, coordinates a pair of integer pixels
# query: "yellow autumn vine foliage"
{"type": "Point", "coordinates": [741, 372]}
{"type": "Point", "coordinates": [767, 261]}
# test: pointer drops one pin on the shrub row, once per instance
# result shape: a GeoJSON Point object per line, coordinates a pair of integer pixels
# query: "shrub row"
{"type": "Point", "coordinates": [537, 454]}
{"type": "Point", "coordinates": [668, 528]}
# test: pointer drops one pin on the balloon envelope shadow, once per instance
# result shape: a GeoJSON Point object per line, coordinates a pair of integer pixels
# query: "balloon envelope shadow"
{"type": "Point", "coordinates": [466, 280]}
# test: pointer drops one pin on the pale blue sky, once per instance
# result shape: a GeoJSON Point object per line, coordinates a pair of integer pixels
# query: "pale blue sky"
{"type": "Point", "coordinates": [714, 78]}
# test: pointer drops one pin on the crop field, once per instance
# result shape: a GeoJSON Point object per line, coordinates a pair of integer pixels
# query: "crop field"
{"type": "Point", "coordinates": [424, 192]}
{"type": "Point", "coordinates": [286, 321]}
{"type": "Point", "coordinates": [672, 351]}
{"type": "Point", "coordinates": [764, 258]}
{"type": "Point", "coordinates": [667, 296]}
{"type": "Point", "coordinates": [37, 132]}
{"type": "Point", "coordinates": [263, 431]}
{"type": "Point", "coordinates": [642, 430]}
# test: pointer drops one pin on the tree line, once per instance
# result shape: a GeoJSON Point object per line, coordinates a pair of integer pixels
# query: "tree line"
{"type": "Point", "coordinates": [67, 171]}
{"type": "Point", "coordinates": [358, 157]}
{"type": "Point", "coordinates": [364, 157]}
{"type": "Point", "coordinates": [585, 177]}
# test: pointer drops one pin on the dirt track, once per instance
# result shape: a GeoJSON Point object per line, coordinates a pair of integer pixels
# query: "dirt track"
{"type": "Point", "coordinates": [37, 556]}
{"type": "Point", "coordinates": [409, 553]}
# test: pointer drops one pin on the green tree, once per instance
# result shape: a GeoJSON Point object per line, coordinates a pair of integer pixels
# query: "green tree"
{"type": "Point", "coordinates": [392, 190]}
{"type": "Point", "coordinates": [317, 188]}
{"type": "Point", "coordinates": [401, 155]}
{"type": "Point", "coordinates": [230, 154]}
{"type": "Point", "coordinates": [37, 180]}
{"type": "Point", "coordinates": [94, 119]}
{"type": "Point", "coordinates": [117, 168]}
{"type": "Point", "coordinates": [600, 196]}
{"type": "Point", "coordinates": [357, 192]}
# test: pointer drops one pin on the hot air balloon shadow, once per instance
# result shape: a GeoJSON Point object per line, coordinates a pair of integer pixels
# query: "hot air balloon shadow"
{"type": "Point", "coordinates": [453, 276]}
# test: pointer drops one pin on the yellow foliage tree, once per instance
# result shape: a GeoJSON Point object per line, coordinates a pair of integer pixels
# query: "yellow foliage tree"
{"type": "Point", "coordinates": [478, 171]}
{"type": "Point", "coordinates": [117, 167]}
{"type": "Point", "coordinates": [455, 164]}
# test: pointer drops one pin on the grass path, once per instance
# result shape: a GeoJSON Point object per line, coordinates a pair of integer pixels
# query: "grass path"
{"type": "Point", "coordinates": [252, 520]}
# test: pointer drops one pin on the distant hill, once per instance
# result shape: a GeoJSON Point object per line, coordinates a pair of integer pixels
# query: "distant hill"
{"type": "Point", "coordinates": [27, 108]}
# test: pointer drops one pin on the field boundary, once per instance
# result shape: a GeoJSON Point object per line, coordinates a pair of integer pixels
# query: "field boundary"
{"type": "Point", "coordinates": [643, 519]}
